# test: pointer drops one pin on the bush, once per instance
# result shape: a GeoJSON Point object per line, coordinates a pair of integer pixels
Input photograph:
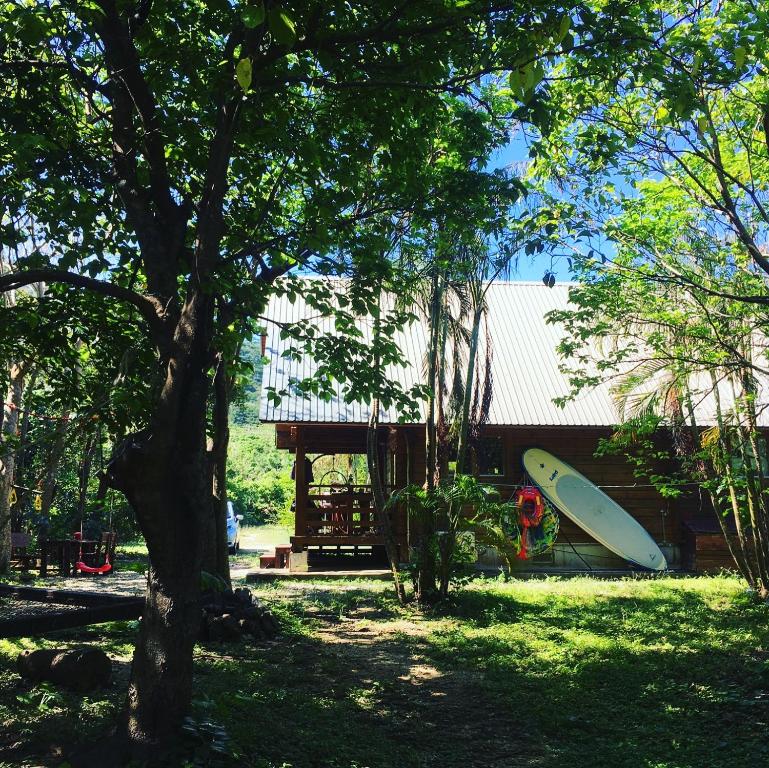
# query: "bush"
{"type": "Point", "coordinates": [259, 480]}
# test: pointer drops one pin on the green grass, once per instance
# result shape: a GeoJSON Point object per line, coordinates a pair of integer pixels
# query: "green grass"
{"type": "Point", "coordinates": [664, 673]}
{"type": "Point", "coordinates": [135, 549]}
{"type": "Point", "coordinates": [268, 535]}
{"type": "Point", "coordinates": [656, 673]}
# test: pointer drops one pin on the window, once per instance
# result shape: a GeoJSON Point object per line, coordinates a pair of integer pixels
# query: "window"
{"type": "Point", "coordinates": [737, 462]}
{"type": "Point", "coordinates": [490, 457]}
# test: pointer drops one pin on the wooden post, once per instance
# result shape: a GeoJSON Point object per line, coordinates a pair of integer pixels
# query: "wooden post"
{"type": "Point", "coordinates": [66, 558]}
{"type": "Point", "coordinates": [43, 557]}
{"type": "Point", "coordinates": [300, 518]}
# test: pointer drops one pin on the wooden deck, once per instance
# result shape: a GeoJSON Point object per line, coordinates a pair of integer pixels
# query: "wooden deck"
{"type": "Point", "coordinates": [340, 516]}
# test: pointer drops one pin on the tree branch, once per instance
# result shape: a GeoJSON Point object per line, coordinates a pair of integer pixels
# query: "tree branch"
{"type": "Point", "coordinates": [123, 60]}
{"type": "Point", "coordinates": [151, 309]}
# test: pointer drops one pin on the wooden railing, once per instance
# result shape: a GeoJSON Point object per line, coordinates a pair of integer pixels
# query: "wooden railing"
{"type": "Point", "coordinates": [338, 511]}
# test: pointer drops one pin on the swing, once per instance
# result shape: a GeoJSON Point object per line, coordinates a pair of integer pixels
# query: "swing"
{"type": "Point", "coordinates": [107, 539]}
{"type": "Point", "coordinates": [106, 567]}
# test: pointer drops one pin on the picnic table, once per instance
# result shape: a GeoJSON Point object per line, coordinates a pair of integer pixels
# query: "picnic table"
{"type": "Point", "coordinates": [64, 553]}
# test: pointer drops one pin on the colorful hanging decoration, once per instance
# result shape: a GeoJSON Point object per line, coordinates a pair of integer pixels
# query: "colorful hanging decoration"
{"type": "Point", "coordinates": [38, 502]}
{"type": "Point", "coordinates": [537, 522]}
{"type": "Point", "coordinates": [12, 497]}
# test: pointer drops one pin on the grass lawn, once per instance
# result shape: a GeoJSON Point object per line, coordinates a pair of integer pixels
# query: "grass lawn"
{"type": "Point", "coordinates": [254, 540]}
{"type": "Point", "coordinates": [667, 673]}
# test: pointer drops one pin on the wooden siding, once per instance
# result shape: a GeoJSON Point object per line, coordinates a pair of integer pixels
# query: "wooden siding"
{"type": "Point", "coordinates": [663, 518]}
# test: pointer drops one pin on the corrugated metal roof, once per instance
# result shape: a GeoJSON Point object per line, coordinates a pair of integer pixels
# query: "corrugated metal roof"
{"type": "Point", "coordinates": [280, 371]}
{"type": "Point", "coordinates": [526, 368]}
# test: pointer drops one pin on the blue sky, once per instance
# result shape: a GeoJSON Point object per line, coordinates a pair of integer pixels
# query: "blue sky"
{"type": "Point", "coordinates": [529, 267]}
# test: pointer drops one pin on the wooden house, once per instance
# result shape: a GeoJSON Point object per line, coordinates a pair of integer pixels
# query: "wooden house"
{"type": "Point", "coordinates": [527, 376]}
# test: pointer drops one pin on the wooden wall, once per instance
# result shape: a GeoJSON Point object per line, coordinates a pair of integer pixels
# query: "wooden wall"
{"type": "Point", "coordinates": [662, 518]}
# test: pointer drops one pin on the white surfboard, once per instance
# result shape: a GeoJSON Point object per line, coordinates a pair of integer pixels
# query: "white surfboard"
{"type": "Point", "coordinates": [592, 510]}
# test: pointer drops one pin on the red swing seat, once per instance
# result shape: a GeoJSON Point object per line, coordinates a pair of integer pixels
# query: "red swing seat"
{"type": "Point", "coordinates": [83, 568]}
{"type": "Point", "coordinates": [108, 541]}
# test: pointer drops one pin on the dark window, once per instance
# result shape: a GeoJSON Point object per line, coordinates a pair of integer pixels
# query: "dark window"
{"type": "Point", "coordinates": [737, 462]}
{"type": "Point", "coordinates": [490, 457]}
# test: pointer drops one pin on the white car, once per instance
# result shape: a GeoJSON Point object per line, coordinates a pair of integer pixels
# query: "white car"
{"type": "Point", "coordinates": [233, 528]}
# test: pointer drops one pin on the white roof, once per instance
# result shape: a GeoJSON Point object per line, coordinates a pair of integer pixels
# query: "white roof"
{"type": "Point", "coordinates": [526, 367]}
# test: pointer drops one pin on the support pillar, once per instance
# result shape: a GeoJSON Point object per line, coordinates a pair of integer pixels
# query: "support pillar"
{"type": "Point", "coordinates": [300, 488]}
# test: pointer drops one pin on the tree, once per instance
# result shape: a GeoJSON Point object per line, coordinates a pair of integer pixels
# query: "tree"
{"type": "Point", "coordinates": [684, 361]}
{"type": "Point", "coordinates": [17, 368]}
{"type": "Point", "coordinates": [685, 102]}
{"type": "Point", "coordinates": [664, 165]}
{"type": "Point", "coordinates": [454, 260]}
{"type": "Point", "coordinates": [180, 157]}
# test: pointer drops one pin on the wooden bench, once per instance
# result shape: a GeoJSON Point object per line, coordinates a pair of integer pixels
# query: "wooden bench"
{"type": "Point", "coordinates": [20, 554]}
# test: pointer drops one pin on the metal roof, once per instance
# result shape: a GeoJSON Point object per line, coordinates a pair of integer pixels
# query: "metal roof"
{"type": "Point", "coordinates": [280, 371]}
{"type": "Point", "coordinates": [526, 367]}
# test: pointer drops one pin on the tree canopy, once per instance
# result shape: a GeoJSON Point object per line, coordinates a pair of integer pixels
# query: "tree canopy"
{"type": "Point", "coordinates": [179, 157]}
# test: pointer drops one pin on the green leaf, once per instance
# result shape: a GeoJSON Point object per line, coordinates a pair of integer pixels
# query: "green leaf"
{"type": "Point", "coordinates": [282, 27]}
{"type": "Point", "coordinates": [739, 56]}
{"type": "Point", "coordinates": [243, 73]}
{"type": "Point", "coordinates": [696, 64]}
{"type": "Point", "coordinates": [253, 15]}
{"type": "Point", "coordinates": [536, 76]}
{"type": "Point", "coordinates": [563, 28]}
{"type": "Point", "coordinates": [702, 123]}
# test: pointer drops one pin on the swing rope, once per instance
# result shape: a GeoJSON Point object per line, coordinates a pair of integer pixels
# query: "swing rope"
{"type": "Point", "coordinates": [106, 567]}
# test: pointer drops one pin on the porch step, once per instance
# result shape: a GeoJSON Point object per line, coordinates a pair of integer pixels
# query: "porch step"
{"type": "Point", "coordinates": [278, 559]}
{"type": "Point", "coordinates": [282, 554]}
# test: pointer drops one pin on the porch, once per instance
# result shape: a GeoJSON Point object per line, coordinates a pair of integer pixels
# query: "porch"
{"type": "Point", "coordinates": [336, 515]}
{"type": "Point", "coordinates": [334, 511]}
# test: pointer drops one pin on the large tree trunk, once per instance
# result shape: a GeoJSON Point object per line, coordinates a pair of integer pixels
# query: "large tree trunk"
{"type": "Point", "coordinates": [10, 423]}
{"type": "Point", "coordinates": [164, 475]}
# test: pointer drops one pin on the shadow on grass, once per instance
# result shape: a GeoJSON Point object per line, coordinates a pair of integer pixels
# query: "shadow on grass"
{"type": "Point", "coordinates": [663, 677]}
{"type": "Point", "coordinates": [658, 676]}
{"type": "Point", "coordinates": [353, 703]}
{"type": "Point", "coordinates": [41, 723]}
{"type": "Point", "coordinates": [342, 599]}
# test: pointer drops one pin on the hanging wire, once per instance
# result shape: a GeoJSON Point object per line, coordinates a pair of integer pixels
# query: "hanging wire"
{"type": "Point", "coordinates": [574, 549]}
